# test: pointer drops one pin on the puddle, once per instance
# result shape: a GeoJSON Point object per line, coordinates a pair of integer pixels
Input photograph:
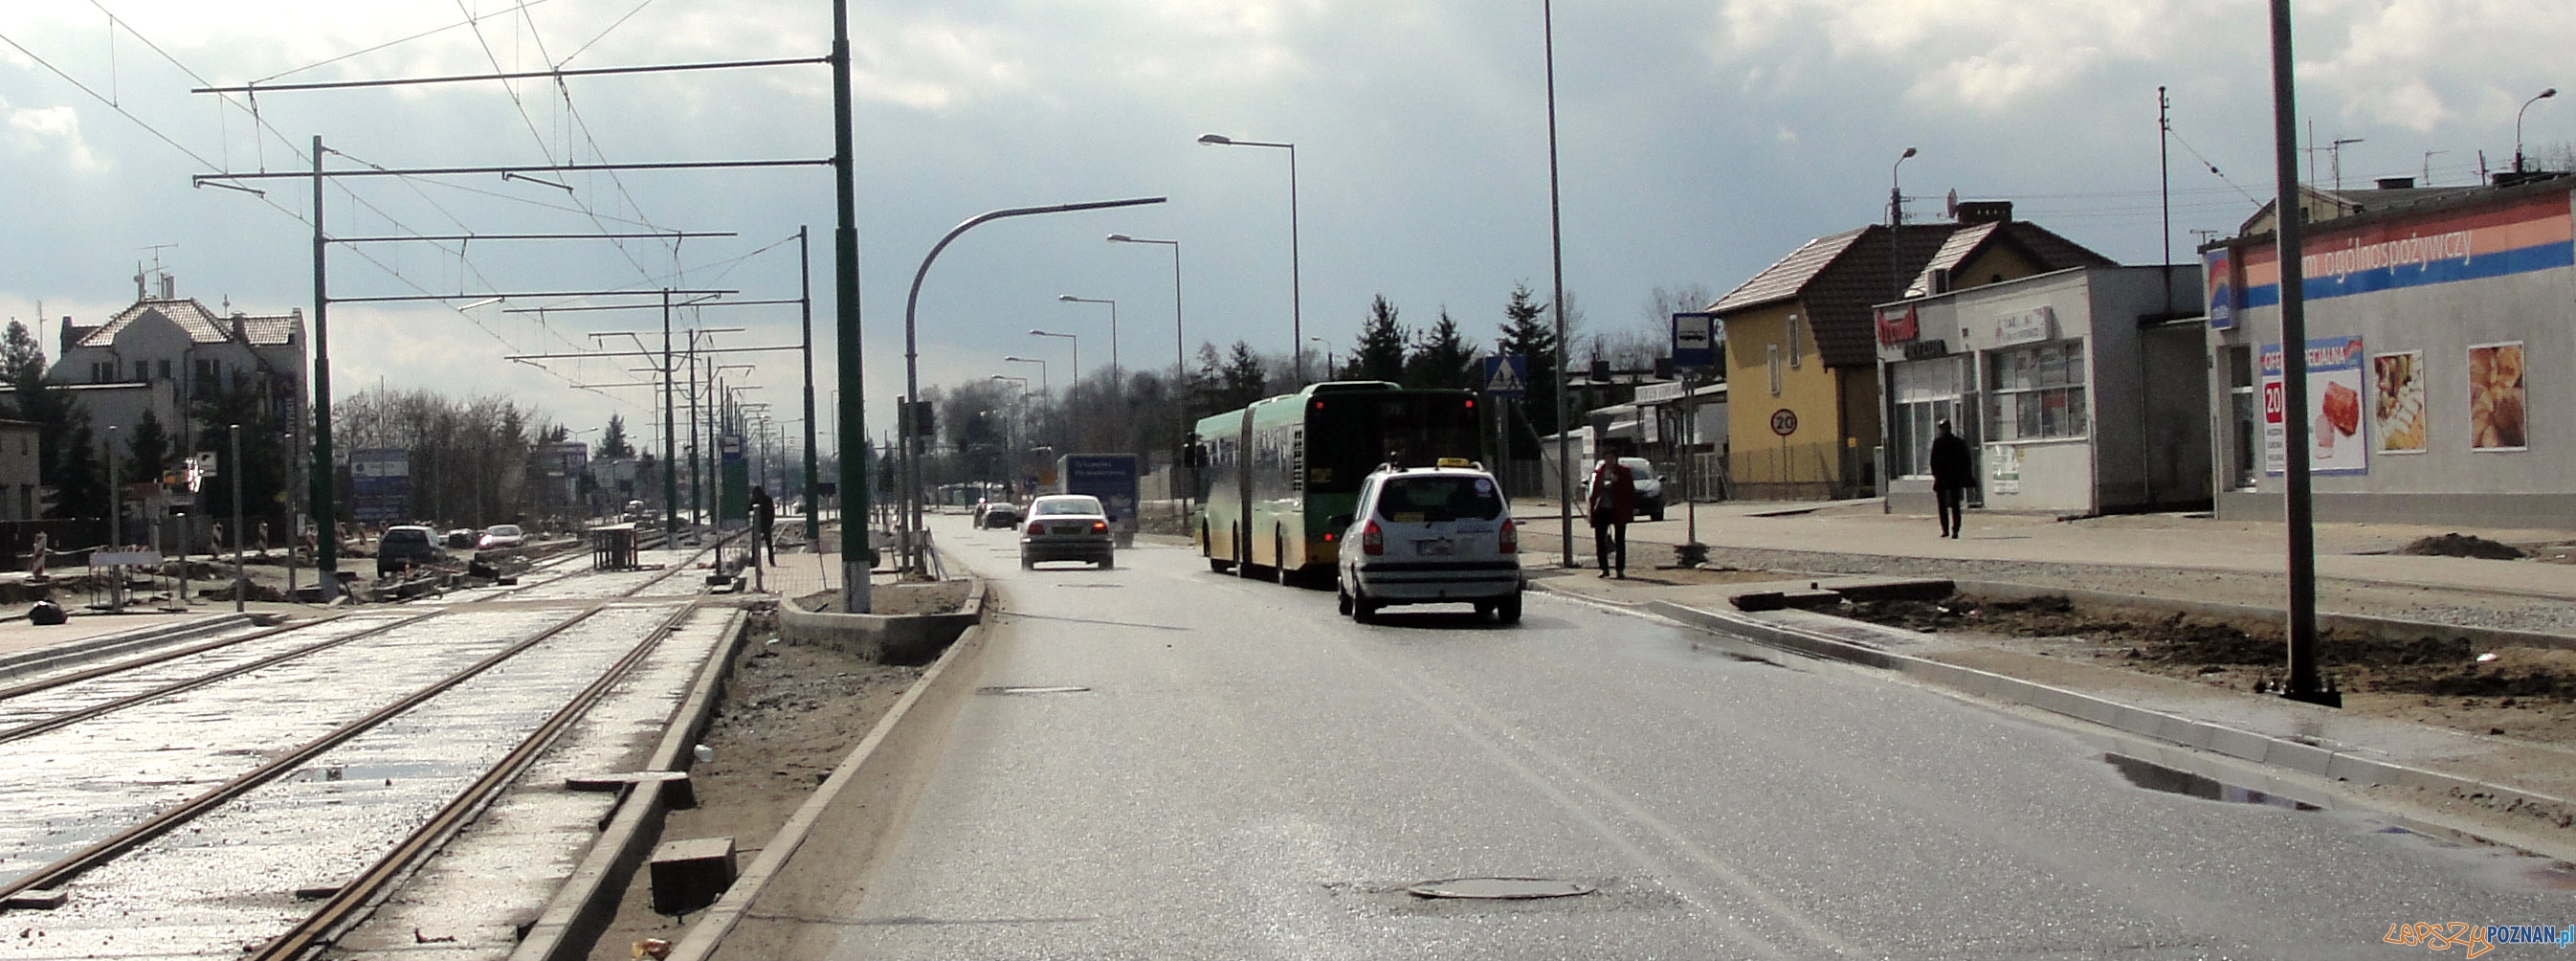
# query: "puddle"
{"type": "Point", "coordinates": [2157, 777]}
{"type": "Point", "coordinates": [1056, 689]}
{"type": "Point", "coordinates": [1498, 889]}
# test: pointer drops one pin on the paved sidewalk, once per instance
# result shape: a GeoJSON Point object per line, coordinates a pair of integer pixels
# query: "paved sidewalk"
{"type": "Point", "coordinates": [2506, 788]}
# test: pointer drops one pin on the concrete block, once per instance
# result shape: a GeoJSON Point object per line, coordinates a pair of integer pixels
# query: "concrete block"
{"type": "Point", "coordinates": [1759, 601]}
{"type": "Point", "coordinates": [691, 873]}
{"type": "Point", "coordinates": [2187, 732]}
{"type": "Point", "coordinates": [2359, 770]}
{"type": "Point", "coordinates": [2303, 758]}
{"type": "Point", "coordinates": [2245, 745]}
{"type": "Point", "coordinates": [1911, 589]}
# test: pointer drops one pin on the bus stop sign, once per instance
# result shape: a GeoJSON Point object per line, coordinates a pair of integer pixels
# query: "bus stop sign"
{"type": "Point", "coordinates": [1694, 340]}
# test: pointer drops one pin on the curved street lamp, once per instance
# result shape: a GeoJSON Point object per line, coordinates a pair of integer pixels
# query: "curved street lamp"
{"type": "Point", "coordinates": [1180, 352]}
{"type": "Point", "coordinates": [1115, 381]}
{"type": "Point", "coordinates": [1296, 286]}
{"type": "Point", "coordinates": [2517, 124]}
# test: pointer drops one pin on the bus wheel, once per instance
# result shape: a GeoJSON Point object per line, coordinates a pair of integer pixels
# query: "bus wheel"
{"type": "Point", "coordinates": [1220, 565]}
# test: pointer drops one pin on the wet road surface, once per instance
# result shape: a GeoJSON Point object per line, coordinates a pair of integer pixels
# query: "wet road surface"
{"type": "Point", "coordinates": [1243, 774]}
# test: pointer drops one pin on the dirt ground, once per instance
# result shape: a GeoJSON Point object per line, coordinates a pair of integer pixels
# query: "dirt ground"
{"type": "Point", "coordinates": [2517, 691]}
{"type": "Point", "coordinates": [790, 714]}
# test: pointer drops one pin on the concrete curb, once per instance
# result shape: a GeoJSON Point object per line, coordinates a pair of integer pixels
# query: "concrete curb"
{"type": "Point", "coordinates": [104, 646]}
{"type": "Point", "coordinates": [2380, 627]}
{"type": "Point", "coordinates": [932, 698]}
{"type": "Point", "coordinates": [587, 902]}
{"type": "Point", "coordinates": [2244, 745]}
{"type": "Point", "coordinates": [883, 638]}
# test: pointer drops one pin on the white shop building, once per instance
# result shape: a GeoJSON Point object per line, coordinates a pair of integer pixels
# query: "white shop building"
{"type": "Point", "coordinates": [2079, 390]}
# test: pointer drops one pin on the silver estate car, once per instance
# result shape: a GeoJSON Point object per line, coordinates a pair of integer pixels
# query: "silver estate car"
{"type": "Point", "coordinates": [1430, 535]}
{"type": "Point", "coordinates": [1067, 527]}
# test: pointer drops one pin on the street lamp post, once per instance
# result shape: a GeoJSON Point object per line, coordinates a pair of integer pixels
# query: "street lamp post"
{"type": "Point", "coordinates": [1296, 285]}
{"type": "Point", "coordinates": [2517, 124]}
{"type": "Point", "coordinates": [1180, 352]}
{"type": "Point", "coordinates": [1328, 355]}
{"type": "Point", "coordinates": [1115, 380]}
{"type": "Point", "coordinates": [1042, 370]}
{"type": "Point", "coordinates": [1896, 195]}
{"type": "Point", "coordinates": [912, 350]}
{"type": "Point", "coordinates": [1076, 340]}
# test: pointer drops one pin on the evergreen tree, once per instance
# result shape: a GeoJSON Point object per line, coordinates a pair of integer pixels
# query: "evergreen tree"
{"type": "Point", "coordinates": [148, 450]}
{"type": "Point", "coordinates": [612, 439]}
{"type": "Point", "coordinates": [22, 359]}
{"type": "Point", "coordinates": [263, 466]}
{"type": "Point", "coordinates": [1534, 340]}
{"type": "Point", "coordinates": [1242, 381]}
{"type": "Point", "coordinates": [1379, 354]}
{"type": "Point", "coordinates": [71, 466]}
{"type": "Point", "coordinates": [1442, 357]}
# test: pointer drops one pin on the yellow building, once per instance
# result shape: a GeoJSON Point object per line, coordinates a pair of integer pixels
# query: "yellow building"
{"type": "Point", "coordinates": [1802, 341]}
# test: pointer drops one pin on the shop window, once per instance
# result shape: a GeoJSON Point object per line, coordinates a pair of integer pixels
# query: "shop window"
{"type": "Point", "coordinates": [1771, 358]}
{"type": "Point", "coordinates": [1926, 392]}
{"type": "Point", "coordinates": [2244, 419]}
{"type": "Point", "coordinates": [2038, 393]}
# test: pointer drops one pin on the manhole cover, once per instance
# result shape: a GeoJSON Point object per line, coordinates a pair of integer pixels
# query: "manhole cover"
{"type": "Point", "coordinates": [1057, 689]}
{"type": "Point", "coordinates": [1498, 889]}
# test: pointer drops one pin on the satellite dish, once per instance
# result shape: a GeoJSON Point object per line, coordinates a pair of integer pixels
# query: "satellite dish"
{"type": "Point", "coordinates": [1954, 203]}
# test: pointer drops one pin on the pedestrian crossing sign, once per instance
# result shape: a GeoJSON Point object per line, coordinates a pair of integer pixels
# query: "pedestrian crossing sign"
{"type": "Point", "coordinates": [1505, 376]}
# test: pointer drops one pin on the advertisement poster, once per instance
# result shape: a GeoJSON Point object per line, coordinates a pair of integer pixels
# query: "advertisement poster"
{"type": "Point", "coordinates": [2397, 402]}
{"type": "Point", "coordinates": [2268, 364]}
{"type": "Point", "coordinates": [2334, 407]}
{"type": "Point", "coordinates": [2495, 397]}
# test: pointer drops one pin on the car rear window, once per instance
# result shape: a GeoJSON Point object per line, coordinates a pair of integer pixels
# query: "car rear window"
{"type": "Point", "coordinates": [504, 530]}
{"type": "Point", "coordinates": [400, 536]}
{"type": "Point", "coordinates": [1082, 505]}
{"type": "Point", "coordinates": [1439, 498]}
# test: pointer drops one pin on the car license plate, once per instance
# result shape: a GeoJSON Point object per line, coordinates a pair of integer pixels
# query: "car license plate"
{"type": "Point", "coordinates": [1065, 528]}
{"type": "Point", "coordinates": [1429, 548]}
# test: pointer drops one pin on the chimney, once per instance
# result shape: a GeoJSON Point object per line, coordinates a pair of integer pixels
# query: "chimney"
{"type": "Point", "coordinates": [2396, 183]}
{"type": "Point", "coordinates": [67, 335]}
{"type": "Point", "coordinates": [169, 286]}
{"type": "Point", "coordinates": [238, 333]}
{"type": "Point", "coordinates": [1985, 211]}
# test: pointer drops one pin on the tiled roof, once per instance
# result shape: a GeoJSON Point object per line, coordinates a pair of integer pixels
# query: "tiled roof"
{"type": "Point", "coordinates": [1783, 280]}
{"type": "Point", "coordinates": [265, 330]}
{"type": "Point", "coordinates": [1840, 277]}
{"type": "Point", "coordinates": [2044, 248]}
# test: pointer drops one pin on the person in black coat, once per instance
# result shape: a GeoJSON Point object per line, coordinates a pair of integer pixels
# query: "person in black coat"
{"type": "Point", "coordinates": [764, 515]}
{"type": "Point", "coordinates": [1953, 472]}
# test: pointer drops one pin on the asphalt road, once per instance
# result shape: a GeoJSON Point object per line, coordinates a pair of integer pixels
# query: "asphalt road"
{"type": "Point", "coordinates": [1250, 776]}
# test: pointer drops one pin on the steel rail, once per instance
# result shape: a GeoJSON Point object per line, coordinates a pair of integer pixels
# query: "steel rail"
{"type": "Point", "coordinates": [148, 660]}
{"type": "Point", "coordinates": [71, 866]}
{"type": "Point", "coordinates": [354, 902]}
{"type": "Point", "coordinates": [74, 717]}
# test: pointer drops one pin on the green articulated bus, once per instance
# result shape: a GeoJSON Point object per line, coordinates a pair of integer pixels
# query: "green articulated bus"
{"type": "Point", "coordinates": [1272, 473]}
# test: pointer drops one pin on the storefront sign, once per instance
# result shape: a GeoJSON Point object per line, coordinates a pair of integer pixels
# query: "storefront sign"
{"type": "Point", "coordinates": [2026, 327]}
{"type": "Point", "coordinates": [1895, 328]}
{"type": "Point", "coordinates": [2533, 234]}
{"type": "Point", "coordinates": [2221, 282]}
{"type": "Point", "coordinates": [1927, 349]}
{"type": "Point", "coordinates": [1659, 393]}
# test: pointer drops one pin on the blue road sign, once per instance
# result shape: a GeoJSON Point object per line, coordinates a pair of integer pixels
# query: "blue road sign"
{"type": "Point", "coordinates": [1694, 340]}
{"type": "Point", "coordinates": [1505, 377]}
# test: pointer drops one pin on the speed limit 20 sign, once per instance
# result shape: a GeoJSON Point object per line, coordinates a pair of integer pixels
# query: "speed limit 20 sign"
{"type": "Point", "coordinates": [1784, 422]}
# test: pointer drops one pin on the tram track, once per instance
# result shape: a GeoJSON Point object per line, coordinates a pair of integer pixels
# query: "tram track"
{"type": "Point", "coordinates": [99, 877]}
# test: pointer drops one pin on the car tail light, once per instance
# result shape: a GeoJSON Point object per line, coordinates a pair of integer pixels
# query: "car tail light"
{"type": "Point", "coordinates": [1036, 528]}
{"type": "Point", "coordinates": [1099, 526]}
{"type": "Point", "coordinates": [1372, 540]}
{"type": "Point", "coordinates": [1511, 541]}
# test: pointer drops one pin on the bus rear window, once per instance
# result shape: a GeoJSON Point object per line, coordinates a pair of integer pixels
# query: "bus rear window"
{"type": "Point", "coordinates": [1439, 498]}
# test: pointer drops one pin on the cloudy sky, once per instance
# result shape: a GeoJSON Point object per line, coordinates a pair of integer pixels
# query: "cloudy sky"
{"type": "Point", "coordinates": [1702, 139]}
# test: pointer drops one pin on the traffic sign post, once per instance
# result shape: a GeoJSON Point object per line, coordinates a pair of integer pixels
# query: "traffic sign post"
{"type": "Point", "coordinates": [1694, 340]}
{"type": "Point", "coordinates": [1502, 377]}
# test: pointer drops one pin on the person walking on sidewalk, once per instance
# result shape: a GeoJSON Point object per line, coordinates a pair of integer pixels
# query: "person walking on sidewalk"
{"type": "Point", "coordinates": [764, 514]}
{"type": "Point", "coordinates": [1953, 472]}
{"type": "Point", "coordinates": [1612, 503]}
